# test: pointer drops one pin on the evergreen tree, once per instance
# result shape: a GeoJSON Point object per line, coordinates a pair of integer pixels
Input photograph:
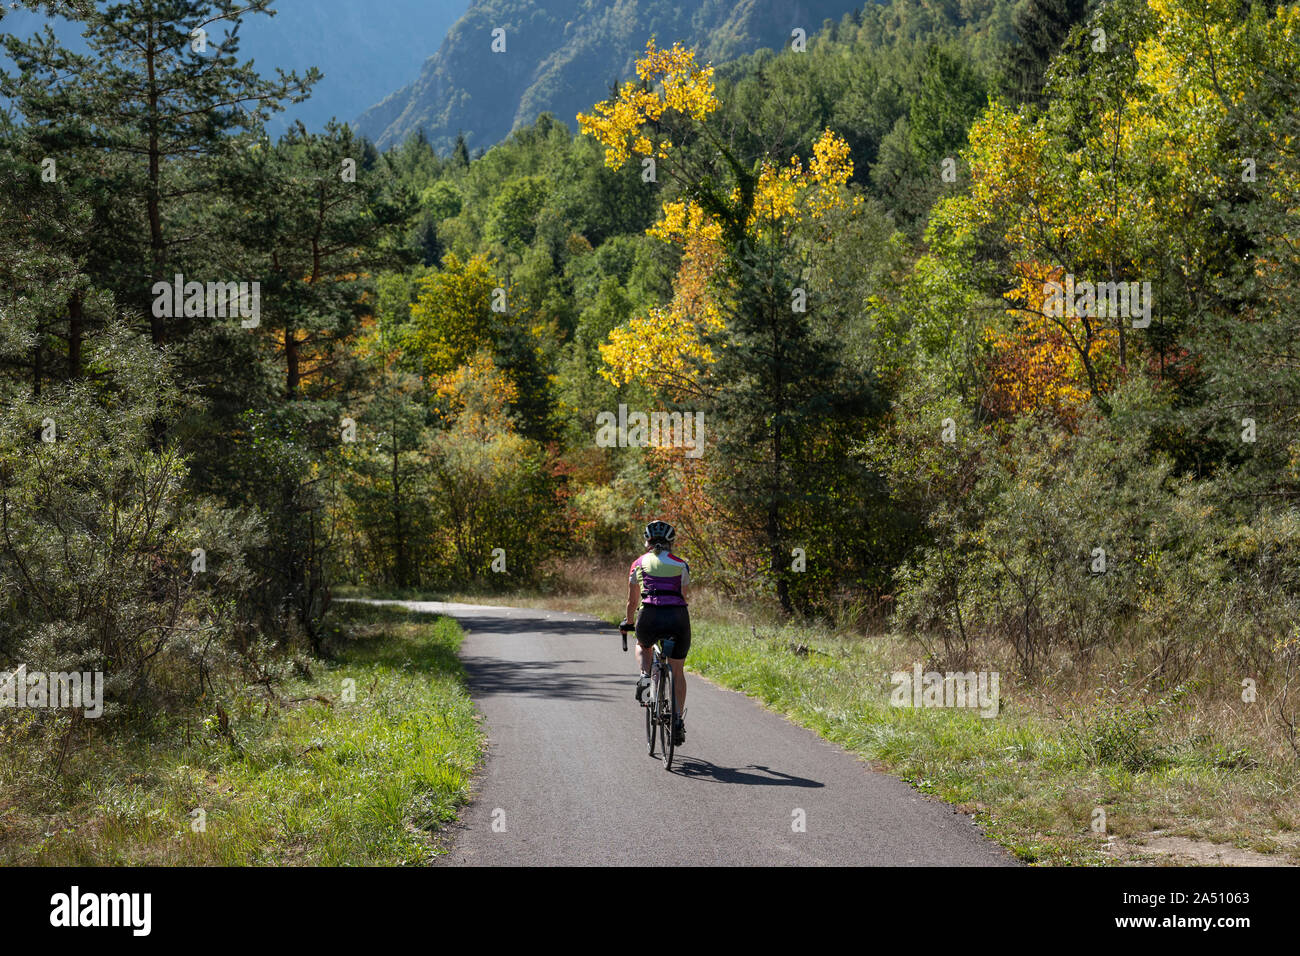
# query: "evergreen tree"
{"type": "Point", "coordinates": [1041, 27]}
{"type": "Point", "coordinates": [460, 152]}
{"type": "Point", "coordinates": [159, 85]}
{"type": "Point", "coordinates": [326, 215]}
{"type": "Point", "coordinates": [778, 389]}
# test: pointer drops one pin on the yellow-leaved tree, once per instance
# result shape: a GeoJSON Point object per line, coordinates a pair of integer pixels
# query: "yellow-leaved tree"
{"type": "Point", "coordinates": [655, 119]}
{"type": "Point", "coordinates": [452, 319]}
{"type": "Point", "coordinates": [743, 338]}
{"type": "Point", "coordinates": [1144, 173]}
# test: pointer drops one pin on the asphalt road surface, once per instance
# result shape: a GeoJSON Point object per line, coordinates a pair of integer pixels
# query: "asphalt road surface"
{"type": "Point", "coordinates": [568, 780]}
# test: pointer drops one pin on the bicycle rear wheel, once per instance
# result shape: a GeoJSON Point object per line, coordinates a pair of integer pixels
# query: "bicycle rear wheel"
{"type": "Point", "coordinates": [667, 715]}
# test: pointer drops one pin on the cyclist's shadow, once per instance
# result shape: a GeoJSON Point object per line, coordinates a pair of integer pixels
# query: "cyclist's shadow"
{"type": "Point", "coordinates": [694, 767]}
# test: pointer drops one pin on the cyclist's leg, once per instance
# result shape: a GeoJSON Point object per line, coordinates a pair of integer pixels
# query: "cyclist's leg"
{"type": "Point", "coordinates": [645, 657]}
{"type": "Point", "coordinates": [681, 647]}
{"type": "Point", "coordinates": [645, 642]}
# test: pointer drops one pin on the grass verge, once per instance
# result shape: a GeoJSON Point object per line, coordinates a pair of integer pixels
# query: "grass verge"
{"type": "Point", "coordinates": [361, 762]}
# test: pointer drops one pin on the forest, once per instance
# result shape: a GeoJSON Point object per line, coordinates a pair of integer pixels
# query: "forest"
{"type": "Point", "coordinates": [986, 314]}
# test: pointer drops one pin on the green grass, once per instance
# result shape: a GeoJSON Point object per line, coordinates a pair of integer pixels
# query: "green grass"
{"type": "Point", "coordinates": [296, 781]}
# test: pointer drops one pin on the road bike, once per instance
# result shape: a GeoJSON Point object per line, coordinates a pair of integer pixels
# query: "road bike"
{"type": "Point", "coordinates": [661, 709]}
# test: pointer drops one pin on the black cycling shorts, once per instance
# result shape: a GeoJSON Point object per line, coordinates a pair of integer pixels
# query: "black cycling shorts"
{"type": "Point", "coordinates": [667, 622]}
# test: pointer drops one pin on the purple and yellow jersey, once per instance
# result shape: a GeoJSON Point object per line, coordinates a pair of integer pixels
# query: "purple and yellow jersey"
{"type": "Point", "coordinates": [660, 577]}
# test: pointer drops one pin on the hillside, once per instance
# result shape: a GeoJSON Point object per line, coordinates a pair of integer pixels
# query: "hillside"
{"type": "Point", "coordinates": [363, 50]}
{"type": "Point", "coordinates": [563, 55]}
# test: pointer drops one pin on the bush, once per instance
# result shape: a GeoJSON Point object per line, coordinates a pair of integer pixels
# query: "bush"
{"type": "Point", "coordinates": [98, 561]}
{"type": "Point", "coordinates": [1082, 540]}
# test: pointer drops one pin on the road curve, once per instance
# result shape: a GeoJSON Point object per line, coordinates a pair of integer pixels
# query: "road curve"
{"type": "Point", "coordinates": [568, 781]}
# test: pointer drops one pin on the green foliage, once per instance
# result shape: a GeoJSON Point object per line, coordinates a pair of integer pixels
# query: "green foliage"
{"type": "Point", "coordinates": [452, 319]}
{"type": "Point", "coordinates": [780, 404]}
{"type": "Point", "coordinates": [513, 220]}
{"type": "Point", "coordinates": [901, 82]}
{"type": "Point", "coordinates": [385, 511]}
{"type": "Point", "coordinates": [97, 555]}
{"type": "Point", "coordinates": [127, 113]}
{"type": "Point", "coordinates": [492, 492]}
{"type": "Point", "coordinates": [1041, 26]}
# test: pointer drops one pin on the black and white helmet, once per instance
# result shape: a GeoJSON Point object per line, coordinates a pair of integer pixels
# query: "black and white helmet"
{"type": "Point", "coordinates": [659, 532]}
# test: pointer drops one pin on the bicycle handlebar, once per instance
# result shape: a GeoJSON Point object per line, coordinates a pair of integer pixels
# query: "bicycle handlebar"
{"type": "Point", "coordinates": [622, 629]}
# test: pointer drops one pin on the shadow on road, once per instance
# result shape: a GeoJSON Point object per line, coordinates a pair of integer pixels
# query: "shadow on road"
{"type": "Point", "coordinates": [703, 769]}
{"type": "Point", "coordinates": [490, 675]}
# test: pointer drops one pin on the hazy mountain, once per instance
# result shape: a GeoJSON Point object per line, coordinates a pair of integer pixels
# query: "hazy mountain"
{"type": "Point", "coordinates": [364, 49]}
{"type": "Point", "coordinates": [563, 55]}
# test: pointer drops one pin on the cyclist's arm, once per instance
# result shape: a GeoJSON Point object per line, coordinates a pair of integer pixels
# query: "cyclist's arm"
{"type": "Point", "coordinates": [633, 599]}
{"type": "Point", "coordinates": [686, 585]}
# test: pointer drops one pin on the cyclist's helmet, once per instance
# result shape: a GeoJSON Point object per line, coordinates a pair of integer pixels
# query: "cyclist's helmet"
{"type": "Point", "coordinates": [659, 532]}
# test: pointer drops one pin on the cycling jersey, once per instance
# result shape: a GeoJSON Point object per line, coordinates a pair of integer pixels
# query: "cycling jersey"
{"type": "Point", "coordinates": [660, 576]}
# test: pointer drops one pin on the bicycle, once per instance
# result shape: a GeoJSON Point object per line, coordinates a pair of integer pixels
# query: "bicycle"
{"type": "Point", "coordinates": [661, 709]}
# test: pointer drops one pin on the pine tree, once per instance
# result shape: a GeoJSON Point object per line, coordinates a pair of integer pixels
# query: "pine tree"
{"type": "Point", "coordinates": [326, 214]}
{"type": "Point", "coordinates": [1041, 27]}
{"type": "Point", "coordinates": [159, 85]}
{"type": "Point", "coordinates": [779, 387]}
{"type": "Point", "coordinates": [46, 228]}
{"type": "Point", "coordinates": [460, 152]}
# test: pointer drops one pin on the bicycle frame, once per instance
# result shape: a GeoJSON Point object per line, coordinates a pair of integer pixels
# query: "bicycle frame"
{"type": "Point", "coordinates": [661, 707]}
{"type": "Point", "coordinates": [663, 704]}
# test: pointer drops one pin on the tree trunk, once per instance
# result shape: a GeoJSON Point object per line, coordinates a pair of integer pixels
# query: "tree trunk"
{"type": "Point", "coordinates": [153, 194]}
{"type": "Point", "coordinates": [778, 458]}
{"type": "Point", "coordinates": [401, 570]}
{"type": "Point", "coordinates": [76, 335]}
{"type": "Point", "coordinates": [291, 359]}
{"type": "Point", "coordinates": [38, 362]}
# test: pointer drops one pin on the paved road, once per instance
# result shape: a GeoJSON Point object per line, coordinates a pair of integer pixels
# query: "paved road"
{"type": "Point", "coordinates": [568, 780]}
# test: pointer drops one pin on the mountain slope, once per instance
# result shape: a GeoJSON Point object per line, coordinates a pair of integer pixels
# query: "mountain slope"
{"type": "Point", "coordinates": [364, 50]}
{"type": "Point", "coordinates": [563, 55]}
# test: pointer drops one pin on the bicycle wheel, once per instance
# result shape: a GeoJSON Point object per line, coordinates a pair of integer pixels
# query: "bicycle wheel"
{"type": "Point", "coordinates": [667, 715]}
{"type": "Point", "coordinates": [649, 709]}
